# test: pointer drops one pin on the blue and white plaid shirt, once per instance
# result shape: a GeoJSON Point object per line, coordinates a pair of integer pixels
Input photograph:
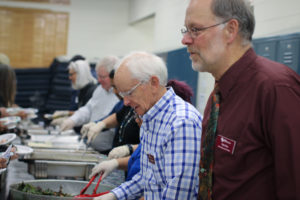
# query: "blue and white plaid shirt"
{"type": "Point", "coordinates": [170, 155]}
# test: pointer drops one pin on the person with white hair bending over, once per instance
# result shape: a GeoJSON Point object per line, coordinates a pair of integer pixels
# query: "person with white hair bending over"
{"type": "Point", "coordinates": [170, 134]}
{"type": "Point", "coordinates": [103, 98]}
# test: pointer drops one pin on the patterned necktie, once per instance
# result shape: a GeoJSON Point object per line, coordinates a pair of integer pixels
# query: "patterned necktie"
{"type": "Point", "coordinates": [207, 150]}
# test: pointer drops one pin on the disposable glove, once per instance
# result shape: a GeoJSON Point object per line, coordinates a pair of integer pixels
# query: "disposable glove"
{"type": "Point", "coordinates": [95, 130]}
{"type": "Point", "coordinates": [108, 196]}
{"type": "Point", "coordinates": [105, 167]}
{"type": "Point", "coordinates": [60, 113]}
{"type": "Point", "coordinates": [58, 121]}
{"type": "Point", "coordinates": [85, 128]}
{"type": "Point", "coordinates": [67, 124]}
{"type": "Point", "coordinates": [119, 152]}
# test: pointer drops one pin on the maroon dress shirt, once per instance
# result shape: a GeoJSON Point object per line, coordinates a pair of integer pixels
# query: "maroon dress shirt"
{"type": "Point", "coordinates": [257, 150]}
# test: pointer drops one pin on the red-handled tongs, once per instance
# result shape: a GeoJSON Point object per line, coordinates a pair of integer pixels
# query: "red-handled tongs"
{"type": "Point", "coordinates": [95, 189]}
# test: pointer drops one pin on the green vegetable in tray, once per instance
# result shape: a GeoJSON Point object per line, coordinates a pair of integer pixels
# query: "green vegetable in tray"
{"type": "Point", "coordinates": [25, 187]}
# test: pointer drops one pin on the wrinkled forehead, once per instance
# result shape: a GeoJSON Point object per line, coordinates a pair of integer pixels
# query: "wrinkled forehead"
{"type": "Point", "coordinates": [123, 78]}
{"type": "Point", "coordinates": [199, 12]}
{"type": "Point", "coordinates": [102, 71]}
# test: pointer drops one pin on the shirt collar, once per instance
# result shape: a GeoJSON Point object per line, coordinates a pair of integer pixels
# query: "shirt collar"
{"type": "Point", "coordinates": [232, 75]}
{"type": "Point", "coordinates": [159, 106]}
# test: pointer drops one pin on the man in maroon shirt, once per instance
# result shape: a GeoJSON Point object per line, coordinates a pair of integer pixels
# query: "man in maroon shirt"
{"type": "Point", "coordinates": [257, 143]}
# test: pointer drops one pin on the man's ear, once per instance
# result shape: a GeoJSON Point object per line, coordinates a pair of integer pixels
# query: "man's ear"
{"type": "Point", "coordinates": [154, 81]}
{"type": "Point", "coordinates": [231, 30]}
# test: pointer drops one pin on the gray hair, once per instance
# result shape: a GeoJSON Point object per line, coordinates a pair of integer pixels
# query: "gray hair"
{"type": "Point", "coordinates": [84, 75]}
{"type": "Point", "coordinates": [4, 59]}
{"type": "Point", "coordinates": [241, 10]}
{"type": "Point", "coordinates": [143, 65]}
{"type": "Point", "coordinates": [108, 62]}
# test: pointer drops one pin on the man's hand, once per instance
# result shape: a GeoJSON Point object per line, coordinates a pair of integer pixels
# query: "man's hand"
{"type": "Point", "coordinates": [85, 128]}
{"type": "Point", "coordinates": [67, 124]}
{"type": "Point", "coordinates": [105, 167]}
{"type": "Point", "coordinates": [95, 130]}
{"type": "Point", "coordinates": [119, 152]}
{"type": "Point", "coordinates": [60, 113]}
{"type": "Point", "coordinates": [58, 121]}
{"type": "Point", "coordinates": [108, 196]}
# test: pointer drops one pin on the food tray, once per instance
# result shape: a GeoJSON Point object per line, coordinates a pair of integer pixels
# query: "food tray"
{"type": "Point", "coordinates": [65, 155]}
{"type": "Point", "coordinates": [60, 169]}
{"type": "Point", "coordinates": [68, 186]}
{"type": "Point", "coordinates": [54, 141]}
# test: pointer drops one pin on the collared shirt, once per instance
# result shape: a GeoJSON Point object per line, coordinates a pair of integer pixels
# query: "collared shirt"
{"type": "Point", "coordinates": [258, 134]}
{"type": "Point", "coordinates": [97, 107]}
{"type": "Point", "coordinates": [170, 155]}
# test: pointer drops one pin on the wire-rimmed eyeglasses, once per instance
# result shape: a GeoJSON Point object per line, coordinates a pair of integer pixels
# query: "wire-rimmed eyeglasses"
{"type": "Point", "coordinates": [129, 92]}
{"type": "Point", "coordinates": [194, 32]}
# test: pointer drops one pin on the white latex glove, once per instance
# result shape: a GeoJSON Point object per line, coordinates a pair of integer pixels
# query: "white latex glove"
{"type": "Point", "coordinates": [106, 167]}
{"type": "Point", "coordinates": [95, 130]}
{"type": "Point", "coordinates": [58, 121]}
{"type": "Point", "coordinates": [67, 124]}
{"type": "Point", "coordinates": [119, 152]}
{"type": "Point", "coordinates": [60, 113]}
{"type": "Point", "coordinates": [85, 128]}
{"type": "Point", "coordinates": [108, 196]}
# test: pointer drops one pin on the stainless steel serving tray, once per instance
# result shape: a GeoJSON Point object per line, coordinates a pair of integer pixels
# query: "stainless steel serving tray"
{"type": "Point", "coordinates": [62, 163]}
{"type": "Point", "coordinates": [68, 186]}
{"type": "Point", "coordinates": [60, 169]}
{"type": "Point", "coordinates": [54, 141]}
{"type": "Point", "coordinates": [65, 155]}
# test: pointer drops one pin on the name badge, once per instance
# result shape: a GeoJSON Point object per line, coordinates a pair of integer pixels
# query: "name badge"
{"type": "Point", "coordinates": [225, 144]}
{"type": "Point", "coordinates": [151, 158]}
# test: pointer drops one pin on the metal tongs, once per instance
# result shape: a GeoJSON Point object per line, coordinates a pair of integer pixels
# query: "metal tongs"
{"type": "Point", "coordinates": [94, 194]}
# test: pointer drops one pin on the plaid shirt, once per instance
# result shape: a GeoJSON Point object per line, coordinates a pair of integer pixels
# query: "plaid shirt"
{"type": "Point", "coordinates": [170, 155]}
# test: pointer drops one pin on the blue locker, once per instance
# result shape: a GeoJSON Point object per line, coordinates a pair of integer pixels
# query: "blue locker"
{"type": "Point", "coordinates": [288, 51]}
{"type": "Point", "coordinates": [180, 68]}
{"type": "Point", "coordinates": [266, 47]}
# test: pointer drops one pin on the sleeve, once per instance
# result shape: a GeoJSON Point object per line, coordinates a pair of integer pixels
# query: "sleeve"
{"type": "Point", "coordinates": [132, 189]}
{"type": "Point", "coordinates": [83, 114]}
{"type": "Point", "coordinates": [182, 157]}
{"type": "Point", "coordinates": [283, 132]}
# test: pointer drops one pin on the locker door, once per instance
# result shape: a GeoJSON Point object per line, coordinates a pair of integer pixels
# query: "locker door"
{"type": "Point", "coordinates": [266, 48]}
{"type": "Point", "coordinates": [288, 53]}
{"type": "Point", "coordinates": [180, 68]}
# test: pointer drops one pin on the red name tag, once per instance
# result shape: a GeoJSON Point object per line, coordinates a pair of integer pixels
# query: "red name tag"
{"type": "Point", "coordinates": [151, 158]}
{"type": "Point", "coordinates": [225, 144]}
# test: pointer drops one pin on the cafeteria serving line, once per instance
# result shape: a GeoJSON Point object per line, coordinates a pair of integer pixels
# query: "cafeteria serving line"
{"type": "Point", "coordinates": [84, 91]}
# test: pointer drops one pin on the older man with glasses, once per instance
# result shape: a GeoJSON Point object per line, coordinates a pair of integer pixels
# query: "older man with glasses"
{"type": "Point", "coordinates": [102, 100]}
{"type": "Point", "coordinates": [170, 132]}
{"type": "Point", "coordinates": [251, 141]}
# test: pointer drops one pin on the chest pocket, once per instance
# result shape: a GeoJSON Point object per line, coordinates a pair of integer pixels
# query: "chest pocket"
{"type": "Point", "coordinates": [155, 169]}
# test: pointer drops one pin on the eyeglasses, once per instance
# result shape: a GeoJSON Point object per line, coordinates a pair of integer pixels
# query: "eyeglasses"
{"type": "Point", "coordinates": [194, 32]}
{"type": "Point", "coordinates": [129, 92]}
{"type": "Point", "coordinates": [102, 77]}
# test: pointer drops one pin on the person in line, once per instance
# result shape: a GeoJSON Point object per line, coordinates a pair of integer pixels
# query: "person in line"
{"type": "Point", "coordinates": [170, 133]}
{"type": "Point", "coordinates": [127, 157]}
{"type": "Point", "coordinates": [102, 140]}
{"type": "Point", "coordinates": [83, 81]}
{"type": "Point", "coordinates": [255, 145]}
{"type": "Point", "coordinates": [8, 91]}
{"type": "Point", "coordinates": [102, 101]}
{"type": "Point", "coordinates": [126, 132]}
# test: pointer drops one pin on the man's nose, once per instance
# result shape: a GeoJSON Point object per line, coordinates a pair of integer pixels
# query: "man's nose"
{"type": "Point", "coordinates": [126, 101]}
{"type": "Point", "coordinates": [187, 39]}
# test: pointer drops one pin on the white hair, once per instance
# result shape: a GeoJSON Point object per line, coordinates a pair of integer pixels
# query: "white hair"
{"type": "Point", "coordinates": [142, 65]}
{"type": "Point", "coordinates": [4, 59]}
{"type": "Point", "coordinates": [83, 74]}
{"type": "Point", "coordinates": [108, 63]}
